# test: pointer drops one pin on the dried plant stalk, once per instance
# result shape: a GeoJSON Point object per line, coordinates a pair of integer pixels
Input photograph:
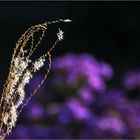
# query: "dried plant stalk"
{"type": "Point", "coordinates": [22, 69]}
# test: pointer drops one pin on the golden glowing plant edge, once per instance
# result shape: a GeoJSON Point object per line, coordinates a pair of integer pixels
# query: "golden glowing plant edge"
{"type": "Point", "coordinates": [22, 69]}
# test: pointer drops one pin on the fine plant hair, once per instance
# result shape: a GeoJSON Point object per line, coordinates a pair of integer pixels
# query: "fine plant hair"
{"type": "Point", "coordinates": [22, 69]}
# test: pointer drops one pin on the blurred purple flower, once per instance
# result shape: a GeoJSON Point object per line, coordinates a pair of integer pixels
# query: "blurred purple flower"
{"type": "Point", "coordinates": [75, 67]}
{"type": "Point", "coordinates": [106, 70]}
{"type": "Point", "coordinates": [64, 62]}
{"type": "Point", "coordinates": [133, 111]}
{"type": "Point", "coordinates": [65, 115]}
{"type": "Point", "coordinates": [86, 95]}
{"type": "Point", "coordinates": [35, 111]}
{"type": "Point", "coordinates": [79, 111]}
{"type": "Point", "coordinates": [113, 97]}
{"type": "Point", "coordinates": [113, 124]}
{"type": "Point", "coordinates": [97, 83]}
{"type": "Point", "coordinates": [131, 79]}
{"type": "Point", "coordinates": [82, 112]}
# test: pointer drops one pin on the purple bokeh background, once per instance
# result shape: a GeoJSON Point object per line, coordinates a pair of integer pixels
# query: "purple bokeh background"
{"type": "Point", "coordinates": [78, 101]}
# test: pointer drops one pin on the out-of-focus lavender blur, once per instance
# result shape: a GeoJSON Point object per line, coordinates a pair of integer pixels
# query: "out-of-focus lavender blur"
{"type": "Point", "coordinates": [78, 101]}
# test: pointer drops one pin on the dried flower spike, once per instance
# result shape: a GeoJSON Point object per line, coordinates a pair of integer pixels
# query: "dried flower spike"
{"type": "Point", "coordinates": [22, 69]}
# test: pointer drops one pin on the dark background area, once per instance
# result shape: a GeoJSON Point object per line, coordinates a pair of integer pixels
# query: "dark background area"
{"type": "Point", "coordinates": [108, 30]}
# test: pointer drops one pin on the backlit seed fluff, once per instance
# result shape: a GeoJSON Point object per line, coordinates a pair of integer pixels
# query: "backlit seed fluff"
{"type": "Point", "coordinates": [22, 69]}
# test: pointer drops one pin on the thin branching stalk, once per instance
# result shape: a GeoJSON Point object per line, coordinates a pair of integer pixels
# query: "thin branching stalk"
{"type": "Point", "coordinates": [22, 69]}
